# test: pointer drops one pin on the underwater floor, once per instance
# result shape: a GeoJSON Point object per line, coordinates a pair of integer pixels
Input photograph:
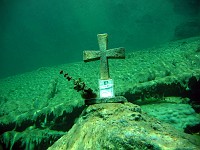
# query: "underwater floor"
{"type": "Point", "coordinates": [39, 107]}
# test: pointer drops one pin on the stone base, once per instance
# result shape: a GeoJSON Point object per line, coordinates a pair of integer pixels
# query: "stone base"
{"type": "Point", "coordinates": [117, 99]}
{"type": "Point", "coordinates": [117, 126]}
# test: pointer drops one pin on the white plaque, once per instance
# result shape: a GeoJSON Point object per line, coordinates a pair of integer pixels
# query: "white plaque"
{"type": "Point", "coordinates": [106, 88]}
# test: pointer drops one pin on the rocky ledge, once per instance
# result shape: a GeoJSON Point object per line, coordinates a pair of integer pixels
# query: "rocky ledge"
{"type": "Point", "coordinates": [122, 126]}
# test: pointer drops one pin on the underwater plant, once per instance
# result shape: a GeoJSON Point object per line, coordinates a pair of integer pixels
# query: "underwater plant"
{"type": "Point", "coordinates": [79, 86]}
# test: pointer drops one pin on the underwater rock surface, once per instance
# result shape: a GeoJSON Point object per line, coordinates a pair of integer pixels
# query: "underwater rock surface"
{"type": "Point", "coordinates": [178, 115]}
{"type": "Point", "coordinates": [122, 126]}
{"type": "Point", "coordinates": [43, 102]}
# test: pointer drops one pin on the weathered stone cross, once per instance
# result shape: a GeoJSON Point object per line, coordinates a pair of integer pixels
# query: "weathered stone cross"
{"type": "Point", "coordinates": [103, 55]}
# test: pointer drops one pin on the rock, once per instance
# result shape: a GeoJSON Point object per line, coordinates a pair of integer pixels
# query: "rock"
{"type": "Point", "coordinates": [117, 99]}
{"type": "Point", "coordinates": [42, 98]}
{"type": "Point", "coordinates": [122, 126]}
{"type": "Point", "coordinates": [178, 115]}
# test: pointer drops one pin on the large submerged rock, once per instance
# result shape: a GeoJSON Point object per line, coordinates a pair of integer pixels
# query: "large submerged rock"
{"type": "Point", "coordinates": [122, 126]}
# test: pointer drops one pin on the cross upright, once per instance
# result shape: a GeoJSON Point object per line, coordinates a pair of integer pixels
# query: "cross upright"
{"type": "Point", "coordinates": [103, 54]}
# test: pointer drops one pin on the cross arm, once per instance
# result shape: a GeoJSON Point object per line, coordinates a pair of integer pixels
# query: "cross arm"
{"type": "Point", "coordinates": [91, 55]}
{"type": "Point", "coordinates": [116, 53]}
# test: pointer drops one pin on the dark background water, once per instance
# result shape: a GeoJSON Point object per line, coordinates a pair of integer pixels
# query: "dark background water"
{"type": "Point", "coordinates": [36, 33]}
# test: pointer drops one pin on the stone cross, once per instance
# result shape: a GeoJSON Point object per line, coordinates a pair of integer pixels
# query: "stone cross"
{"type": "Point", "coordinates": [103, 54]}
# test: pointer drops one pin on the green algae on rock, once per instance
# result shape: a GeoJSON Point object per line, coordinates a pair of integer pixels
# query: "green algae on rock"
{"type": "Point", "coordinates": [122, 126]}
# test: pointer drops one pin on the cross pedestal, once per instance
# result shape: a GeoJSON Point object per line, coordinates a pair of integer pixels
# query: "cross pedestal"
{"type": "Point", "coordinates": [105, 83]}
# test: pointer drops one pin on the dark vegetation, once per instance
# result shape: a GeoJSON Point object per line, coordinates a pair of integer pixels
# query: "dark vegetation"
{"type": "Point", "coordinates": [194, 93]}
{"type": "Point", "coordinates": [79, 86]}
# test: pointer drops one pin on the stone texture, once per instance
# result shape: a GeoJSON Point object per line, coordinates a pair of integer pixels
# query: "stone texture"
{"type": "Point", "coordinates": [149, 76]}
{"type": "Point", "coordinates": [117, 99]}
{"type": "Point", "coordinates": [122, 126]}
{"type": "Point", "coordinates": [178, 115]}
{"type": "Point", "coordinates": [103, 55]}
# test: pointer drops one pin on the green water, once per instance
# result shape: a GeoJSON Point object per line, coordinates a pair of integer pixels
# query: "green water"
{"type": "Point", "coordinates": [35, 33]}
